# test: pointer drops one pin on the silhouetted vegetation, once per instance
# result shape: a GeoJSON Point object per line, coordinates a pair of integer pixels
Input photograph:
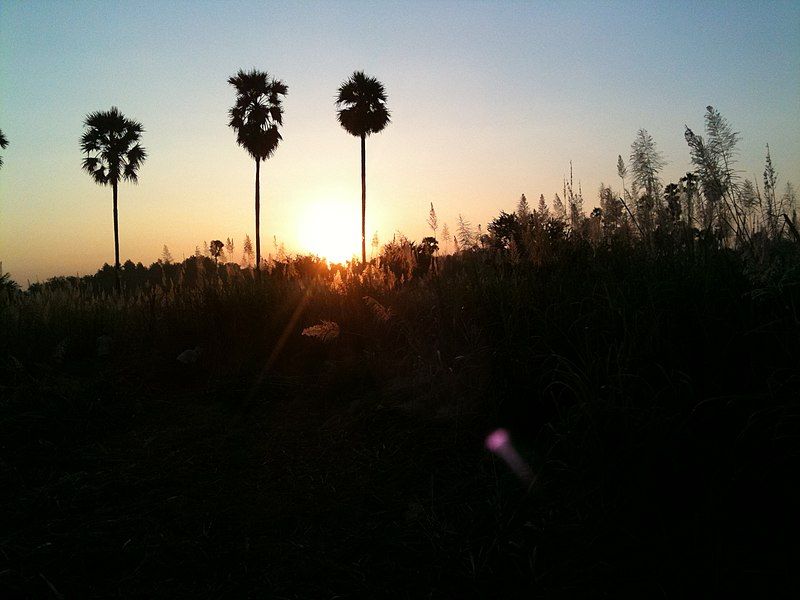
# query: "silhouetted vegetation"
{"type": "Point", "coordinates": [256, 118]}
{"type": "Point", "coordinates": [113, 152]}
{"type": "Point", "coordinates": [3, 145]}
{"type": "Point", "coordinates": [362, 112]}
{"type": "Point", "coordinates": [315, 430]}
{"type": "Point", "coordinates": [649, 381]}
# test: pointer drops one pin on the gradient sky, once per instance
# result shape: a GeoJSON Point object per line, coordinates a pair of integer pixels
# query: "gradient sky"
{"type": "Point", "coordinates": [488, 100]}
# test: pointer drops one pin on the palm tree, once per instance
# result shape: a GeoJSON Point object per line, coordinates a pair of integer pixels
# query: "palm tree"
{"type": "Point", "coordinates": [362, 111]}
{"type": "Point", "coordinates": [3, 145]}
{"type": "Point", "coordinates": [113, 152]}
{"type": "Point", "coordinates": [256, 117]}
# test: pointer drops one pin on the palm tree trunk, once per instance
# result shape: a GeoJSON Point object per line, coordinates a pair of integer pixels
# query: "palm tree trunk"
{"type": "Point", "coordinates": [363, 200]}
{"type": "Point", "coordinates": [258, 217]}
{"type": "Point", "coordinates": [116, 239]}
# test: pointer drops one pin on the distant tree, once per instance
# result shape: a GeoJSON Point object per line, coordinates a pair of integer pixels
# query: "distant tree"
{"type": "Point", "coordinates": [505, 231]}
{"type": "Point", "coordinates": [256, 117]}
{"type": "Point", "coordinates": [229, 248]}
{"type": "Point", "coordinates": [362, 111]}
{"type": "Point", "coordinates": [3, 145]}
{"type": "Point", "coordinates": [216, 247]}
{"type": "Point", "coordinates": [113, 152]}
{"type": "Point", "coordinates": [426, 256]}
{"type": "Point", "coordinates": [428, 246]}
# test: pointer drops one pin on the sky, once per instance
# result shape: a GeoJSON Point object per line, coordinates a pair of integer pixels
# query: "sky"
{"type": "Point", "coordinates": [489, 100]}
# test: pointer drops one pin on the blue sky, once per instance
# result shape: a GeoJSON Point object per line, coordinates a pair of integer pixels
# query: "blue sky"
{"type": "Point", "coordinates": [488, 100]}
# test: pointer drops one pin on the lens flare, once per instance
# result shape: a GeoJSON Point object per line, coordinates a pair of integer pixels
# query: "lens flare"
{"type": "Point", "coordinates": [499, 443]}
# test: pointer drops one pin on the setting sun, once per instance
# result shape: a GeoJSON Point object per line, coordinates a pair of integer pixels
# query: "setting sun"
{"type": "Point", "coordinates": [330, 229]}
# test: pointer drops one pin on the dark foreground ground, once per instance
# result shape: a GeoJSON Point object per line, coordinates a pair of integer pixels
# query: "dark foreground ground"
{"type": "Point", "coordinates": [126, 484]}
{"type": "Point", "coordinates": [658, 410]}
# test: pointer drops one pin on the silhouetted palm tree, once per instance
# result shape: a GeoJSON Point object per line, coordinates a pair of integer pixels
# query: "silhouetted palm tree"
{"type": "Point", "coordinates": [3, 145]}
{"type": "Point", "coordinates": [362, 111]}
{"type": "Point", "coordinates": [256, 117]}
{"type": "Point", "coordinates": [113, 152]}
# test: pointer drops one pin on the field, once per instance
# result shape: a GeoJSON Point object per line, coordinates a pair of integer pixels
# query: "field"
{"type": "Point", "coordinates": [325, 437]}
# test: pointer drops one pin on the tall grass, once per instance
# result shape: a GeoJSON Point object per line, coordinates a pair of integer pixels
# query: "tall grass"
{"type": "Point", "coordinates": [651, 384]}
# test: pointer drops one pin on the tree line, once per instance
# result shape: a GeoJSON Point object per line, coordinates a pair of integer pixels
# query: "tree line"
{"type": "Point", "coordinates": [113, 151]}
{"type": "Point", "coordinates": [712, 204]}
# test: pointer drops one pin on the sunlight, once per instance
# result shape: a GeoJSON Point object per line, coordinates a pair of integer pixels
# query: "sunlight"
{"type": "Point", "coordinates": [331, 230]}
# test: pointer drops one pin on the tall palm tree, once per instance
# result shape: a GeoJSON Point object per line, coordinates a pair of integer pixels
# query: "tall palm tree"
{"type": "Point", "coordinates": [3, 145]}
{"type": "Point", "coordinates": [362, 111]}
{"type": "Point", "coordinates": [113, 152]}
{"type": "Point", "coordinates": [256, 117]}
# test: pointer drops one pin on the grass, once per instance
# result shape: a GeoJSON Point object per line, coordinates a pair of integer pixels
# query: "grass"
{"type": "Point", "coordinates": [654, 397]}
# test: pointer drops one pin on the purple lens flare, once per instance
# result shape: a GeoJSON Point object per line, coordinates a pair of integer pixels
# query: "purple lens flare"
{"type": "Point", "coordinates": [497, 439]}
{"type": "Point", "coordinates": [499, 443]}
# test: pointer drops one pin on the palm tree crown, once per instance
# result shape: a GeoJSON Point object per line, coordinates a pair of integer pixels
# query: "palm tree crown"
{"type": "Point", "coordinates": [362, 102]}
{"type": "Point", "coordinates": [111, 144]}
{"type": "Point", "coordinates": [3, 145]}
{"type": "Point", "coordinates": [257, 113]}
